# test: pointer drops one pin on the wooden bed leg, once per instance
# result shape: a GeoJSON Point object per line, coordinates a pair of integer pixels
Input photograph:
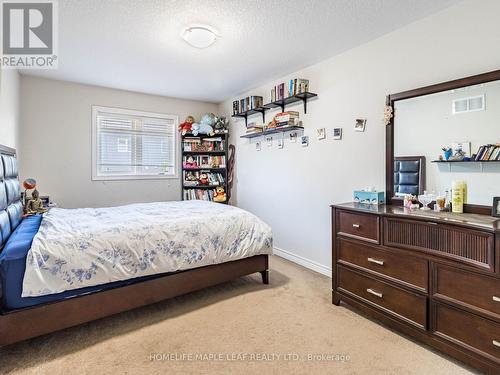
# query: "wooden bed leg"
{"type": "Point", "coordinates": [265, 276]}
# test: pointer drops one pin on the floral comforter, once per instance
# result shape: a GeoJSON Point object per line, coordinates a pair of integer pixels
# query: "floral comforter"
{"type": "Point", "coordinates": [76, 248]}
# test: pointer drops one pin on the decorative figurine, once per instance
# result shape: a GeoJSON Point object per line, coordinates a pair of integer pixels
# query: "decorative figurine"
{"type": "Point", "coordinates": [187, 125]}
{"type": "Point", "coordinates": [447, 153]}
{"type": "Point", "coordinates": [220, 194]}
{"type": "Point", "coordinates": [221, 125]}
{"type": "Point", "coordinates": [35, 204]}
{"type": "Point", "coordinates": [28, 184]}
{"type": "Point", "coordinates": [388, 114]}
{"type": "Point", "coordinates": [203, 179]}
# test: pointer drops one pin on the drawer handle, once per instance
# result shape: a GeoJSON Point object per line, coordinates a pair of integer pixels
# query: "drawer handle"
{"type": "Point", "coordinates": [376, 294]}
{"type": "Point", "coordinates": [356, 225]}
{"type": "Point", "coordinates": [496, 343]}
{"type": "Point", "coordinates": [496, 299]}
{"type": "Point", "coordinates": [376, 261]}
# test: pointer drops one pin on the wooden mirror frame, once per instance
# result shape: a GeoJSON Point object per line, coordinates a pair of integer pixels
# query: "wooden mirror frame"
{"type": "Point", "coordinates": [389, 131]}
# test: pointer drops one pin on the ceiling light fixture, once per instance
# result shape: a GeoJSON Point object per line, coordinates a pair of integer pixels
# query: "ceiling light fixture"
{"type": "Point", "coordinates": [199, 36]}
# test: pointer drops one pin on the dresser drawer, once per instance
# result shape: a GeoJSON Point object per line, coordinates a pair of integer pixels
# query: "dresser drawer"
{"type": "Point", "coordinates": [357, 225]}
{"type": "Point", "coordinates": [399, 267]}
{"type": "Point", "coordinates": [472, 247]}
{"type": "Point", "coordinates": [411, 307]}
{"type": "Point", "coordinates": [468, 289]}
{"type": "Point", "coordinates": [468, 330]}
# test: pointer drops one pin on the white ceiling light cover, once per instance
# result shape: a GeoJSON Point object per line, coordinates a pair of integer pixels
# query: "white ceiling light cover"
{"type": "Point", "coordinates": [199, 36]}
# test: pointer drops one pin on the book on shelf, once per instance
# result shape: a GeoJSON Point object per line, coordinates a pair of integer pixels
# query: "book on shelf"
{"type": "Point", "coordinates": [489, 152]}
{"type": "Point", "coordinates": [295, 86]}
{"type": "Point", "coordinates": [286, 116]}
{"type": "Point", "coordinates": [198, 194]}
{"type": "Point", "coordinates": [247, 104]}
{"type": "Point", "coordinates": [202, 145]}
{"type": "Point", "coordinates": [252, 127]}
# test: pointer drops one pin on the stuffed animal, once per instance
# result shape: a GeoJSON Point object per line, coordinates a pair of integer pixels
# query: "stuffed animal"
{"type": "Point", "coordinates": [187, 125]}
{"type": "Point", "coordinates": [220, 194]}
{"type": "Point", "coordinates": [200, 128]}
{"type": "Point", "coordinates": [203, 179]}
{"type": "Point", "coordinates": [190, 162]}
{"type": "Point", "coordinates": [221, 125]}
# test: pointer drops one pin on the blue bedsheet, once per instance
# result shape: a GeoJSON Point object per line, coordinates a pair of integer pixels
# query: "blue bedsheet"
{"type": "Point", "coordinates": [13, 265]}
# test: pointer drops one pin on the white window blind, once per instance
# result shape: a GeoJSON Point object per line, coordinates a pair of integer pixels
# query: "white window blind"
{"type": "Point", "coordinates": [130, 144]}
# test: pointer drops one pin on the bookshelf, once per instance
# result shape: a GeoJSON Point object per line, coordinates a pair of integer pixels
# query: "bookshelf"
{"type": "Point", "coordinates": [204, 165]}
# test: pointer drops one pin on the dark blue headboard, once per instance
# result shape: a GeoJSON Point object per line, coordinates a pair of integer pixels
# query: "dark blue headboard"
{"type": "Point", "coordinates": [11, 208]}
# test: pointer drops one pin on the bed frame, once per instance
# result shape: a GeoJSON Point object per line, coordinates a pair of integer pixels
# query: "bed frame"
{"type": "Point", "coordinates": [35, 321]}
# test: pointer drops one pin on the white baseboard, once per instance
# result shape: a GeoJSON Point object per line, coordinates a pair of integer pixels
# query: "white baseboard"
{"type": "Point", "coordinates": [311, 264]}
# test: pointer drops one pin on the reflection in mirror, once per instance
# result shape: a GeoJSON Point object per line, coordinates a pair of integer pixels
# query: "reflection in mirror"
{"type": "Point", "coordinates": [457, 132]}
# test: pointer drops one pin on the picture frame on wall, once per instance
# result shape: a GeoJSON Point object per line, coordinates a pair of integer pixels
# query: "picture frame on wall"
{"type": "Point", "coordinates": [321, 133]}
{"type": "Point", "coordinates": [496, 207]}
{"type": "Point", "coordinates": [360, 125]}
{"type": "Point", "coordinates": [337, 134]}
{"type": "Point", "coordinates": [304, 141]}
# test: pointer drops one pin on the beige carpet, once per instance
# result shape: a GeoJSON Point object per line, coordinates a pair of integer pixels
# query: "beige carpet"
{"type": "Point", "coordinates": [276, 327]}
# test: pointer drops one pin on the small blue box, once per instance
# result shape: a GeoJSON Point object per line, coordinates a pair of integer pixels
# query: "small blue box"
{"type": "Point", "coordinates": [370, 197]}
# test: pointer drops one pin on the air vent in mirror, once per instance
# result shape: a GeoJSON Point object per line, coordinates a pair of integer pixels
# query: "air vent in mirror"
{"type": "Point", "coordinates": [471, 104]}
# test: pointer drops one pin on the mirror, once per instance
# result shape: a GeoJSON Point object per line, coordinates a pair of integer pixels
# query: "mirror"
{"type": "Point", "coordinates": [463, 119]}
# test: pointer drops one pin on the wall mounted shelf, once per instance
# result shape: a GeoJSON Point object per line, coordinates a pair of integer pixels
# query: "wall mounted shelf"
{"type": "Point", "coordinates": [277, 104]}
{"type": "Point", "coordinates": [261, 110]}
{"type": "Point", "coordinates": [273, 131]}
{"type": "Point", "coordinates": [292, 99]}
{"type": "Point", "coordinates": [481, 163]}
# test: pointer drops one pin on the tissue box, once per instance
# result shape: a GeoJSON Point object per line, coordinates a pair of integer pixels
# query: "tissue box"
{"type": "Point", "coordinates": [371, 197]}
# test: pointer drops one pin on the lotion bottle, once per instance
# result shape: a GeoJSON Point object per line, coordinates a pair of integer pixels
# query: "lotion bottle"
{"type": "Point", "coordinates": [457, 200]}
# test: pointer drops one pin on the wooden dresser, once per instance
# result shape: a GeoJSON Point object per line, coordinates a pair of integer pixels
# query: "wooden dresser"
{"type": "Point", "coordinates": [434, 276]}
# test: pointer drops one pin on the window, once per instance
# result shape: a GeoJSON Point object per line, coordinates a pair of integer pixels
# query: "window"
{"type": "Point", "coordinates": [133, 145]}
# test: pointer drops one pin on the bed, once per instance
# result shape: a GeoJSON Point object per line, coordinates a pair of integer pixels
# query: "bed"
{"type": "Point", "coordinates": [73, 266]}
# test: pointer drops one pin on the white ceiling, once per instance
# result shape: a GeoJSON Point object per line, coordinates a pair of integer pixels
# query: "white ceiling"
{"type": "Point", "coordinates": [136, 45]}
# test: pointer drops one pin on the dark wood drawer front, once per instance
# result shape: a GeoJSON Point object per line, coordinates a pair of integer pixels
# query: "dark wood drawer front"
{"type": "Point", "coordinates": [467, 288]}
{"type": "Point", "coordinates": [361, 226]}
{"type": "Point", "coordinates": [399, 267]}
{"type": "Point", "coordinates": [468, 246]}
{"type": "Point", "coordinates": [410, 307]}
{"type": "Point", "coordinates": [468, 330]}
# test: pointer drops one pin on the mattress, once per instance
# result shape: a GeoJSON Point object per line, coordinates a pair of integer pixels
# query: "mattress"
{"type": "Point", "coordinates": [13, 264]}
{"type": "Point", "coordinates": [81, 248]}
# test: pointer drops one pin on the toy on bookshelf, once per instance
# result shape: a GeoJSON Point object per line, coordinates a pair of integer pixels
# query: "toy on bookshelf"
{"type": "Point", "coordinates": [186, 126]}
{"type": "Point", "coordinates": [220, 194]}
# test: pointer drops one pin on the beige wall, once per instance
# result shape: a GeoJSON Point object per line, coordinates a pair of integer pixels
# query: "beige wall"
{"type": "Point", "coordinates": [9, 108]}
{"type": "Point", "coordinates": [55, 142]}
{"type": "Point", "coordinates": [292, 188]}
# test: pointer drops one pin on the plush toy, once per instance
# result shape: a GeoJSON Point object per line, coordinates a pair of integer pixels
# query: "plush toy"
{"type": "Point", "coordinates": [220, 194]}
{"type": "Point", "coordinates": [200, 128]}
{"type": "Point", "coordinates": [190, 162]}
{"type": "Point", "coordinates": [221, 125]}
{"type": "Point", "coordinates": [186, 126]}
{"type": "Point", "coordinates": [203, 179]}
{"type": "Point", "coordinates": [205, 126]}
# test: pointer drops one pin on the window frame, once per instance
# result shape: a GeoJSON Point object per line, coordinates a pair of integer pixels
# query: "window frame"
{"type": "Point", "coordinates": [131, 112]}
